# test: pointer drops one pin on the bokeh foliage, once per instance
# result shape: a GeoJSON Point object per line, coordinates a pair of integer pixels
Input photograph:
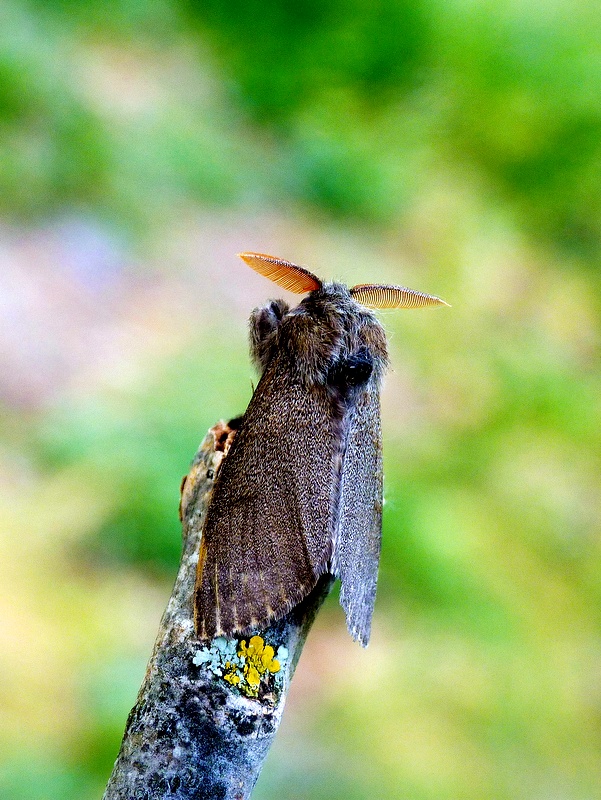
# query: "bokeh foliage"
{"type": "Point", "coordinates": [359, 98]}
{"type": "Point", "coordinates": [459, 141]}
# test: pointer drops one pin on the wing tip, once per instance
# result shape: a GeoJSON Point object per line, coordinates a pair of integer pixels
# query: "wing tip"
{"type": "Point", "coordinates": [208, 627]}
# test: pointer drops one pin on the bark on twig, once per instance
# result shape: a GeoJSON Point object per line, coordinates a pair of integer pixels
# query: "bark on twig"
{"type": "Point", "coordinates": [195, 733]}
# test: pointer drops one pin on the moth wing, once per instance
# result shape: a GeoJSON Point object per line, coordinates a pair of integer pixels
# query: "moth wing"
{"type": "Point", "coordinates": [268, 531]}
{"type": "Point", "coordinates": [359, 534]}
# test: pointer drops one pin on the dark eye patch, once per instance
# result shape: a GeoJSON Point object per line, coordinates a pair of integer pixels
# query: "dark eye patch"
{"type": "Point", "coordinates": [354, 370]}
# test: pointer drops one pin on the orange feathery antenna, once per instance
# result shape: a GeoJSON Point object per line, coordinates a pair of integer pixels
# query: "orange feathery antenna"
{"type": "Point", "coordinates": [287, 275]}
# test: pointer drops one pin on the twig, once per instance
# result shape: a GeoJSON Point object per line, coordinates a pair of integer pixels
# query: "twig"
{"type": "Point", "coordinates": [206, 716]}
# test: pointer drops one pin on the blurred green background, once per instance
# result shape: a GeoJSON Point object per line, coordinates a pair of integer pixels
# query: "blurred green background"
{"type": "Point", "coordinates": [454, 147]}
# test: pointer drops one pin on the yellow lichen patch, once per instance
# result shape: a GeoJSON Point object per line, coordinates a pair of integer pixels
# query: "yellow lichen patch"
{"type": "Point", "coordinates": [269, 662]}
{"type": "Point", "coordinates": [232, 675]}
{"type": "Point", "coordinates": [251, 674]}
{"type": "Point", "coordinates": [257, 662]}
{"type": "Point", "coordinates": [245, 666]}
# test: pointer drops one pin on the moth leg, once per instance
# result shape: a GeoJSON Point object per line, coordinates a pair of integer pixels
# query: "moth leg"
{"type": "Point", "coordinates": [264, 321]}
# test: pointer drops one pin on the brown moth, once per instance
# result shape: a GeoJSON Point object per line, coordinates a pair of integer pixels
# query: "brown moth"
{"type": "Point", "coordinates": [299, 493]}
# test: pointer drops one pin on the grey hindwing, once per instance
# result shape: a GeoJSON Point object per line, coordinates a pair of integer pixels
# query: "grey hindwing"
{"type": "Point", "coordinates": [359, 532]}
{"type": "Point", "coordinates": [269, 527]}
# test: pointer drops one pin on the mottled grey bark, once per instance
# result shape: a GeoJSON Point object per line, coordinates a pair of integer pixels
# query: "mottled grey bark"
{"type": "Point", "coordinates": [195, 733]}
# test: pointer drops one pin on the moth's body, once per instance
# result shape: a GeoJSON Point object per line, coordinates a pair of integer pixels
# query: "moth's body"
{"type": "Point", "coordinates": [299, 493]}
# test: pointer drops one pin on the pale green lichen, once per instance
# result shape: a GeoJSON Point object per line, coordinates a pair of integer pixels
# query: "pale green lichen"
{"type": "Point", "coordinates": [245, 666]}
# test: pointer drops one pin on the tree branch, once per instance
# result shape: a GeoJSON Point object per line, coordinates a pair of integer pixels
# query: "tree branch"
{"type": "Point", "coordinates": [207, 713]}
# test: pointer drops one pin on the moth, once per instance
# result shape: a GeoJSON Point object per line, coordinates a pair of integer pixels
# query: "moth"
{"type": "Point", "coordinates": [299, 493]}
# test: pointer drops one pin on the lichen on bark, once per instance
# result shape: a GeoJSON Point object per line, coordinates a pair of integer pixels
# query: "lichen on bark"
{"type": "Point", "coordinates": [194, 733]}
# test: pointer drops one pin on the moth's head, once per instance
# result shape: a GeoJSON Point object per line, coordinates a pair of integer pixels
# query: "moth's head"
{"type": "Point", "coordinates": [333, 330]}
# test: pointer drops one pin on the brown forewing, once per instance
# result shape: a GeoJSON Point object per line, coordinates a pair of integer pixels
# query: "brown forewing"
{"type": "Point", "coordinates": [269, 526]}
